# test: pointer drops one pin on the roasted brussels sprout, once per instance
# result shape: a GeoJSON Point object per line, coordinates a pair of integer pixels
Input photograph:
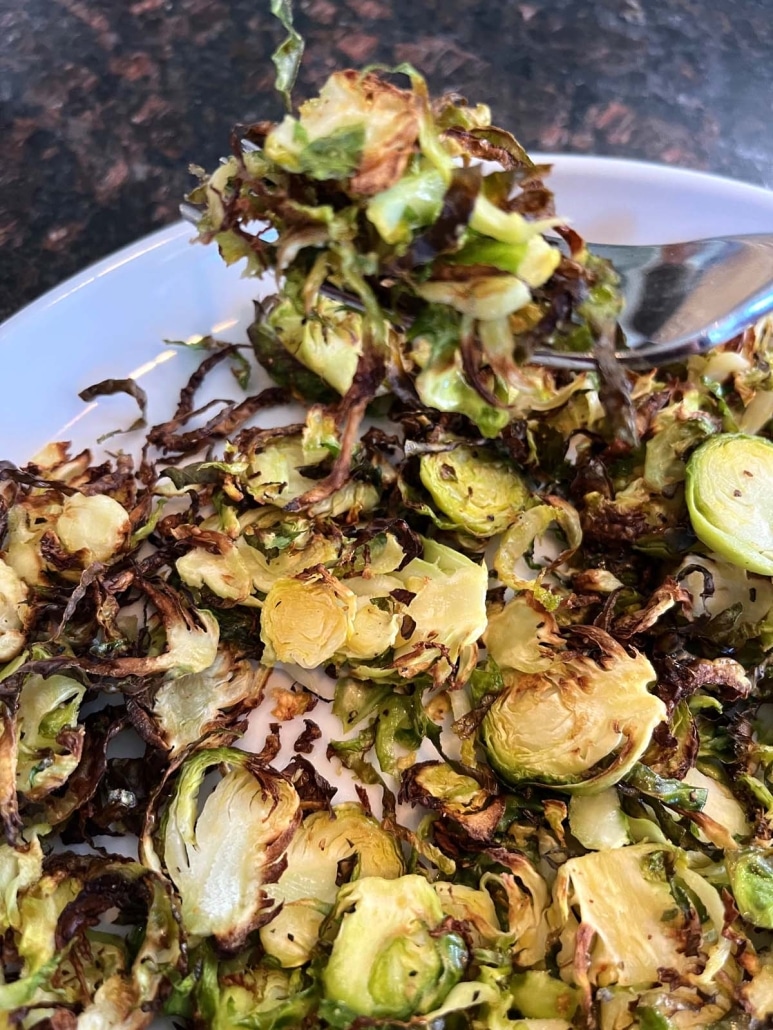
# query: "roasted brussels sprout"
{"type": "Point", "coordinates": [580, 725]}
{"type": "Point", "coordinates": [643, 884]}
{"type": "Point", "coordinates": [50, 740]}
{"type": "Point", "coordinates": [14, 612]}
{"type": "Point", "coordinates": [325, 844]}
{"type": "Point", "coordinates": [306, 621]}
{"type": "Point", "coordinates": [476, 491]}
{"type": "Point", "coordinates": [751, 879]}
{"type": "Point", "coordinates": [94, 526]}
{"type": "Point", "coordinates": [728, 491]}
{"type": "Point", "coordinates": [391, 957]}
{"type": "Point", "coordinates": [221, 858]}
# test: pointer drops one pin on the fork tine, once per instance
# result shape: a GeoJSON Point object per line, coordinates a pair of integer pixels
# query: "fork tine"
{"type": "Point", "coordinates": [191, 212]}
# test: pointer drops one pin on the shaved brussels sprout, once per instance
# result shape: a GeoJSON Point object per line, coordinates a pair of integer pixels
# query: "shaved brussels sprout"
{"type": "Point", "coordinates": [522, 637]}
{"type": "Point", "coordinates": [450, 602]}
{"type": "Point", "coordinates": [414, 201]}
{"type": "Point", "coordinates": [95, 526]}
{"type": "Point", "coordinates": [728, 491]}
{"type": "Point", "coordinates": [14, 612]}
{"type": "Point", "coordinates": [236, 992]}
{"type": "Point", "coordinates": [221, 858]}
{"type": "Point", "coordinates": [475, 908]}
{"type": "Point", "coordinates": [50, 740]}
{"type": "Point", "coordinates": [569, 830]}
{"type": "Point", "coordinates": [306, 621]}
{"type": "Point", "coordinates": [598, 821]}
{"type": "Point", "coordinates": [751, 880]}
{"type": "Point", "coordinates": [187, 708]}
{"type": "Point", "coordinates": [757, 993]}
{"type": "Point", "coordinates": [538, 995]}
{"type": "Point", "coordinates": [360, 127]}
{"type": "Point", "coordinates": [613, 890]}
{"type": "Point", "coordinates": [20, 869]}
{"type": "Point", "coordinates": [580, 725]}
{"type": "Point", "coordinates": [475, 490]}
{"type": "Point", "coordinates": [111, 979]}
{"type": "Point", "coordinates": [328, 342]}
{"type": "Point", "coordinates": [324, 844]}
{"type": "Point", "coordinates": [391, 957]}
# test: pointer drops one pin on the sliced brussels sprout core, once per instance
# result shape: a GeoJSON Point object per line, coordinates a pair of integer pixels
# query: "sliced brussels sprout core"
{"type": "Point", "coordinates": [579, 725]}
{"type": "Point", "coordinates": [474, 489]}
{"type": "Point", "coordinates": [221, 857]}
{"type": "Point", "coordinates": [391, 958]}
{"type": "Point", "coordinates": [729, 491]}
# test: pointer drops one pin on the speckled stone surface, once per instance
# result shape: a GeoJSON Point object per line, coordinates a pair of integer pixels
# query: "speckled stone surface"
{"type": "Point", "coordinates": [105, 103]}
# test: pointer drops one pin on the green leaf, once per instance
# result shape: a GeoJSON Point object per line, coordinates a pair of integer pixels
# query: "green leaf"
{"type": "Point", "coordinates": [287, 56]}
{"type": "Point", "coordinates": [670, 792]}
{"type": "Point", "coordinates": [335, 156]}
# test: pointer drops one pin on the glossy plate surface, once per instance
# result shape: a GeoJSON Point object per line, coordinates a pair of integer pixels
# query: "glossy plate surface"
{"type": "Point", "coordinates": [111, 320]}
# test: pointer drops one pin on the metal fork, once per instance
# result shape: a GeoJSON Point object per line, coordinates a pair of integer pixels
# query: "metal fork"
{"type": "Point", "coordinates": [680, 298]}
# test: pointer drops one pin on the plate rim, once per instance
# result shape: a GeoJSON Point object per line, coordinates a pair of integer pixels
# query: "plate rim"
{"type": "Point", "coordinates": [167, 235]}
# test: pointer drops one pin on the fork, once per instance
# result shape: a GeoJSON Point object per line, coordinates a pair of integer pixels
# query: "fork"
{"type": "Point", "coordinates": [680, 298]}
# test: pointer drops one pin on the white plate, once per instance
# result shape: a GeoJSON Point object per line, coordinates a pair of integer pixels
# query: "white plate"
{"type": "Point", "coordinates": [112, 319]}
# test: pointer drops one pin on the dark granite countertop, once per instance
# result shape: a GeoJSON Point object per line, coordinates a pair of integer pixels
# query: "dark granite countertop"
{"type": "Point", "coordinates": [105, 103]}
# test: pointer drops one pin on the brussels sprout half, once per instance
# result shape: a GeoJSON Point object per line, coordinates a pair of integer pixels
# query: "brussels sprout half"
{"type": "Point", "coordinates": [729, 491]}
{"type": "Point", "coordinates": [221, 857]}
{"type": "Point", "coordinates": [325, 844]}
{"type": "Point", "coordinates": [391, 958]}
{"type": "Point", "coordinates": [579, 725]}
{"type": "Point", "coordinates": [474, 489]}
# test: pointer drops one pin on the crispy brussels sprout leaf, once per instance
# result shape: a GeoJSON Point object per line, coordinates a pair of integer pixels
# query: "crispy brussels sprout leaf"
{"type": "Point", "coordinates": [14, 613]}
{"type": "Point", "coordinates": [327, 340]}
{"type": "Point", "coordinates": [187, 708]}
{"type": "Point", "coordinates": [50, 740]}
{"type": "Point", "coordinates": [287, 56]}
